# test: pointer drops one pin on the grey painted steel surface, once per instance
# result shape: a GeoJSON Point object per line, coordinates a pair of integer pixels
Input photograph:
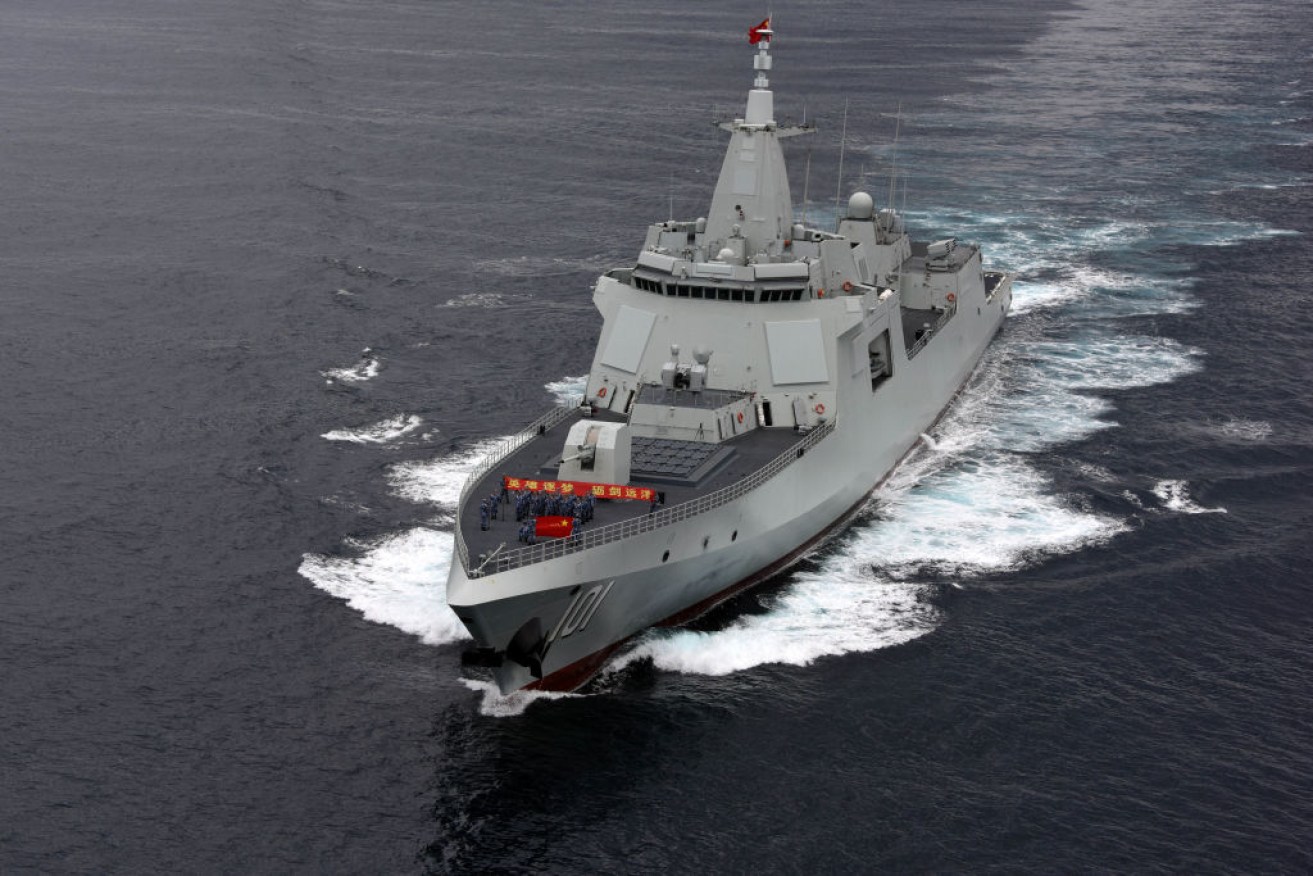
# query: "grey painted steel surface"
{"type": "Point", "coordinates": [825, 356]}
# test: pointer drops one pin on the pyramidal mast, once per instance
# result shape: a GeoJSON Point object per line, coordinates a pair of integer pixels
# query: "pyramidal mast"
{"type": "Point", "coordinates": [752, 209]}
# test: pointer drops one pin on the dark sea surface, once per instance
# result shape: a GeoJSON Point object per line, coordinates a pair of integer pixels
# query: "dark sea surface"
{"type": "Point", "coordinates": [277, 273]}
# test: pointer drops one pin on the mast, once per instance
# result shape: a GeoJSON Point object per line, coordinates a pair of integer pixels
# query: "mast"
{"type": "Point", "coordinates": [752, 210]}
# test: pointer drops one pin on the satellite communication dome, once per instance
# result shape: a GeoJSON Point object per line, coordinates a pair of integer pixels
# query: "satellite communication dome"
{"type": "Point", "coordinates": [860, 206]}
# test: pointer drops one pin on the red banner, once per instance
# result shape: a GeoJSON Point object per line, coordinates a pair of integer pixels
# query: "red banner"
{"type": "Point", "coordinates": [548, 526]}
{"type": "Point", "coordinates": [755, 34]}
{"type": "Point", "coordinates": [578, 488]}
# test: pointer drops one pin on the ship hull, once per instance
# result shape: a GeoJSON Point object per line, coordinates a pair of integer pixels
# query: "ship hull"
{"type": "Point", "coordinates": [574, 611]}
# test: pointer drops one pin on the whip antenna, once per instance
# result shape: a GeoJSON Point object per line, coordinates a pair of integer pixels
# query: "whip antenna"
{"type": "Point", "coordinates": [806, 181]}
{"type": "Point", "coordinates": [843, 139]}
{"type": "Point", "coordinates": [893, 160]}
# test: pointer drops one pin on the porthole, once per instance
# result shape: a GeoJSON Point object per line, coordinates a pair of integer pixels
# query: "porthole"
{"type": "Point", "coordinates": [665, 556]}
{"type": "Point", "coordinates": [734, 536]}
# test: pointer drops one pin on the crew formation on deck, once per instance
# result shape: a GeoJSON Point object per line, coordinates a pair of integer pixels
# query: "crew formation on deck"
{"type": "Point", "coordinates": [554, 509]}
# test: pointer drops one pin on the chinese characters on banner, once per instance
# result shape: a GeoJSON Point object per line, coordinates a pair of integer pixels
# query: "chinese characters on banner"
{"type": "Point", "coordinates": [577, 488]}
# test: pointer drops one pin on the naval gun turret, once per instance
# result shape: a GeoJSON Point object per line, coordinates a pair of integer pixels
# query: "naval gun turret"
{"type": "Point", "coordinates": [594, 451]}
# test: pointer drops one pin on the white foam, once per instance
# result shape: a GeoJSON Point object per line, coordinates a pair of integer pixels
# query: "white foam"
{"type": "Point", "coordinates": [1113, 362]}
{"type": "Point", "coordinates": [837, 612]}
{"type": "Point", "coordinates": [1175, 496]}
{"type": "Point", "coordinates": [1247, 430]}
{"type": "Point", "coordinates": [957, 524]}
{"type": "Point", "coordinates": [993, 514]}
{"type": "Point", "coordinates": [1042, 401]}
{"type": "Point", "coordinates": [438, 481]}
{"type": "Point", "coordinates": [398, 580]}
{"type": "Point", "coordinates": [567, 390]}
{"type": "Point", "coordinates": [1096, 473]}
{"type": "Point", "coordinates": [1097, 292]}
{"type": "Point", "coordinates": [487, 300]}
{"type": "Point", "coordinates": [936, 516]}
{"type": "Point", "coordinates": [380, 433]}
{"type": "Point", "coordinates": [365, 369]}
{"type": "Point", "coordinates": [495, 705]}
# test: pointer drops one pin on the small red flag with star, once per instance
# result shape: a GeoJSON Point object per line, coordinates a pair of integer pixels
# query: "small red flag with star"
{"type": "Point", "coordinates": [755, 34]}
{"type": "Point", "coordinates": [552, 526]}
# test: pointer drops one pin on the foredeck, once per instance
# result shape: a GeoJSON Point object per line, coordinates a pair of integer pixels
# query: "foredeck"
{"type": "Point", "coordinates": [741, 462]}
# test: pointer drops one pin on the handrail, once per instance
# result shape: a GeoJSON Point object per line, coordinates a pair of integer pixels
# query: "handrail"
{"type": "Point", "coordinates": [500, 452]}
{"type": "Point", "coordinates": [583, 540]}
{"type": "Point", "coordinates": [934, 330]}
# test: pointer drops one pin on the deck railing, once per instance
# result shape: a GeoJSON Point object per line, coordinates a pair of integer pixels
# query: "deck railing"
{"type": "Point", "coordinates": [934, 330]}
{"type": "Point", "coordinates": [498, 454]}
{"type": "Point", "coordinates": [585, 539]}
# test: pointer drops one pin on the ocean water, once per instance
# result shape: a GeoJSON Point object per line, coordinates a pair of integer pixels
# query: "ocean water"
{"type": "Point", "coordinates": [280, 274]}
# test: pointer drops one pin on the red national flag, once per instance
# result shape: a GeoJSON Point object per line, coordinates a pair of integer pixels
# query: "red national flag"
{"type": "Point", "coordinates": [548, 526]}
{"type": "Point", "coordinates": [755, 34]}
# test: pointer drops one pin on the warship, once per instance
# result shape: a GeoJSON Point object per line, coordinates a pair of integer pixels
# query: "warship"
{"type": "Point", "coordinates": [755, 380]}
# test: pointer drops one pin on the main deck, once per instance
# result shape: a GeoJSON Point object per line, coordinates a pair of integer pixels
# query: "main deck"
{"type": "Point", "coordinates": [684, 474]}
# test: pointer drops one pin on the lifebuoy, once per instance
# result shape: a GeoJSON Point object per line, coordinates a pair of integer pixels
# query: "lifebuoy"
{"type": "Point", "coordinates": [951, 297]}
{"type": "Point", "coordinates": [847, 285]}
{"type": "Point", "coordinates": [820, 408]}
{"type": "Point", "coordinates": [740, 416]}
{"type": "Point", "coordinates": [601, 393]}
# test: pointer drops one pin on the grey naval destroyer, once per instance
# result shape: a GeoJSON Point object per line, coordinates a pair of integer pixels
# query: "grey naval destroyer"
{"type": "Point", "coordinates": [755, 380]}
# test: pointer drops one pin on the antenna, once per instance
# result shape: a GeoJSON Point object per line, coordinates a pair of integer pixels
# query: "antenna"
{"type": "Point", "coordinates": [672, 196]}
{"type": "Point", "coordinates": [893, 160]}
{"type": "Point", "coordinates": [843, 141]}
{"type": "Point", "coordinates": [806, 181]}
